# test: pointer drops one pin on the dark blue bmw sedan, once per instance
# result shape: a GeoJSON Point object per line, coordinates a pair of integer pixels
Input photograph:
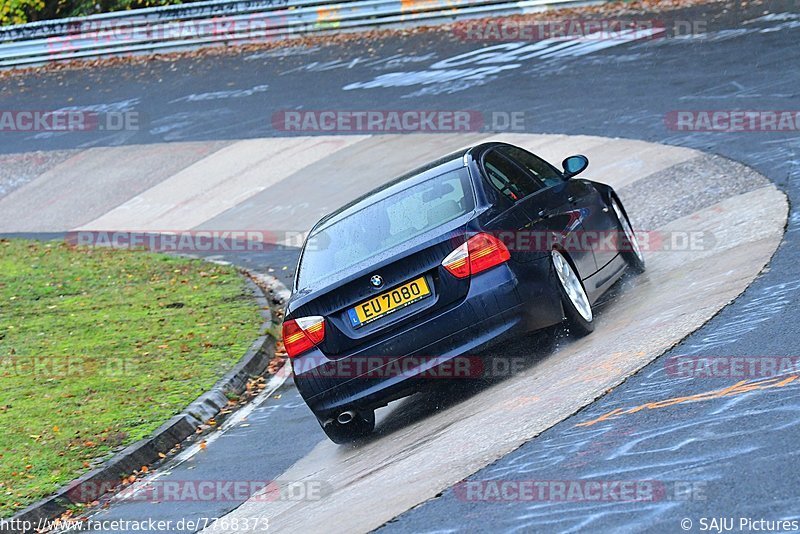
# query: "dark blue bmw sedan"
{"type": "Point", "coordinates": [443, 262]}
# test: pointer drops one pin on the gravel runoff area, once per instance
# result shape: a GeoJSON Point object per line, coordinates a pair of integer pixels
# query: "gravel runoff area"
{"type": "Point", "coordinates": [654, 207]}
{"type": "Point", "coordinates": [17, 170]}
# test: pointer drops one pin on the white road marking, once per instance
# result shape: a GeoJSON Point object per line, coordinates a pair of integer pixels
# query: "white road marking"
{"type": "Point", "coordinates": [217, 183]}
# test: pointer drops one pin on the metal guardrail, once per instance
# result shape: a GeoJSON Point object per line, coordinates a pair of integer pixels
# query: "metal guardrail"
{"type": "Point", "coordinates": [219, 22]}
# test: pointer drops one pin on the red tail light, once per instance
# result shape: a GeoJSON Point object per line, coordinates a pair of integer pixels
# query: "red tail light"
{"type": "Point", "coordinates": [301, 334]}
{"type": "Point", "coordinates": [479, 253]}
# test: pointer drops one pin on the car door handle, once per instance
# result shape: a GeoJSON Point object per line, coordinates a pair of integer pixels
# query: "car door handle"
{"type": "Point", "coordinates": [544, 214]}
{"type": "Point", "coordinates": [605, 209]}
{"type": "Point", "coordinates": [571, 199]}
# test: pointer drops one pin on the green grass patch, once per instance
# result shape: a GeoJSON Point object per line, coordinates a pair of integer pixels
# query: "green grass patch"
{"type": "Point", "coordinates": [98, 348]}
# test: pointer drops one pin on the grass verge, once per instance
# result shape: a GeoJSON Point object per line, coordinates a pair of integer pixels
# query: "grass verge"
{"type": "Point", "coordinates": [98, 348]}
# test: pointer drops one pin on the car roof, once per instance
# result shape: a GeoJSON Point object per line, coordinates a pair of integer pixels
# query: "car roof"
{"type": "Point", "coordinates": [434, 168]}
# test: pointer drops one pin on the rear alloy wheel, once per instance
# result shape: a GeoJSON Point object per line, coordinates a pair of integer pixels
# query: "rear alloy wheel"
{"type": "Point", "coordinates": [577, 308]}
{"type": "Point", "coordinates": [630, 247]}
{"type": "Point", "coordinates": [361, 425]}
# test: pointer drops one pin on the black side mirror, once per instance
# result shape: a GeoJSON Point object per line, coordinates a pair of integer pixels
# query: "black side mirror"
{"type": "Point", "coordinates": [574, 165]}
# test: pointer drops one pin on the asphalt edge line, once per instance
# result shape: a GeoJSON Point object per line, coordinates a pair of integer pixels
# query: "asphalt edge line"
{"type": "Point", "coordinates": [175, 430]}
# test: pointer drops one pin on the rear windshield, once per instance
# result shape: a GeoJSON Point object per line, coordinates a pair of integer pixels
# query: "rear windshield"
{"type": "Point", "coordinates": [389, 222]}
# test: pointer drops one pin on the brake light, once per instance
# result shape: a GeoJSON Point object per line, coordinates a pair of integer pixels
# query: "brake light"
{"type": "Point", "coordinates": [486, 251]}
{"type": "Point", "coordinates": [480, 252]}
{"type": "Point", "coordinates": [301, 334]}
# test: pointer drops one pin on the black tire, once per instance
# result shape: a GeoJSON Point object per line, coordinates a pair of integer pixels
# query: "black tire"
{"type": "Point", "coordinates": [577, 324]}
{"type": "Point", "coordinates": [361, 426]}
{"type": "Point", "coordinates": [628, 250]}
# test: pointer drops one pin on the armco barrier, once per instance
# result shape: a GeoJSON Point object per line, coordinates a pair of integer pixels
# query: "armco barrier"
{"type": "Point", "coordinates": [219, 22]}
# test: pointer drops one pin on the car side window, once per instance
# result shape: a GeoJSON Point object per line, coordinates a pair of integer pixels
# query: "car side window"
{"type": "Point", "coordinates": [535, 165]}
{"type": "Point", "coordinates": [510, 180]}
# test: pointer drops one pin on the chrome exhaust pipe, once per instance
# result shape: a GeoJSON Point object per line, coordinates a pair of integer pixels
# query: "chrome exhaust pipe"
{"type": "Point", "coordinates": [346, 417]}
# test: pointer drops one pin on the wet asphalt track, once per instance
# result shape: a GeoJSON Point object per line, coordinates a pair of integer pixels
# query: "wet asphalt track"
{"type": "Point", "coordinates": [741, 449]}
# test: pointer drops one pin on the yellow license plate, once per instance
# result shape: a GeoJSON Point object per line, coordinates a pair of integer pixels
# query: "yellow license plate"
{"type": "Point", "coordinates": [388, 302]}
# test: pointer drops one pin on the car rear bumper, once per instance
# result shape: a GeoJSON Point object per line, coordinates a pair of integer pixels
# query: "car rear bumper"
{"type": "Point", "coordinates": [440, 347]}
